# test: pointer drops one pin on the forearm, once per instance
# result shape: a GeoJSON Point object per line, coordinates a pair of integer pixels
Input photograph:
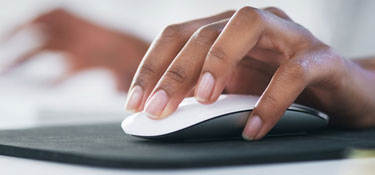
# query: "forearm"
{"type": "Point", "coordinates": [366, 62]}
{"type": "Point", "coordinates": [364, 83]}
{"type": "Point", "coordinates": [357, 96]}
{"type": "Point", "coordinates": [351, 102]}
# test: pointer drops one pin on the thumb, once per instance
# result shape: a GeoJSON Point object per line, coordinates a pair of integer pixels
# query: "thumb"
{"type": "Point", "coordinates": [287, 83]}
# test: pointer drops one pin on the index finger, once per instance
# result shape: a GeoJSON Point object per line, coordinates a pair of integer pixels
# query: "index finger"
{"type": "Point", "coordinates": [159, 56]}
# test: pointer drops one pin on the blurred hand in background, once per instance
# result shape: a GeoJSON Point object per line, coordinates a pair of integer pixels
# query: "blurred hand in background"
{"type": "Point", "coordinates": [86, 45]}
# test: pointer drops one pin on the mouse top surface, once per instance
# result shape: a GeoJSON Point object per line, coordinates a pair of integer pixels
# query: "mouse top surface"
{"type": "Point", "coordinates": [190, 113]}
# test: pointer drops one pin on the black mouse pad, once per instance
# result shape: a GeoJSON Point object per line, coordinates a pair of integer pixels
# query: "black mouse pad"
{"type": "Point", "coordinates": [107, 145]}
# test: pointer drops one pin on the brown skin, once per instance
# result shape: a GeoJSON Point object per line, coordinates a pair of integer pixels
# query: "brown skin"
{"type": "Point", "coordinates": [253, 51]}
{"type": "Point", "coordinates": [366, 63]}
{"type": "Point", "coordinates": [87, 46]}
{"type": "Point", "coordinates": [250, 51]}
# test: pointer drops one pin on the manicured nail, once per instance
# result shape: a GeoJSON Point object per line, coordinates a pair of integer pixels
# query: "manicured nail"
{"type": "Point", "coordinates": [252, 128]}
{"type": "Point", "coordinates": [205, 87]}
{"type": "Point", "coordinates": [155, 106]}
{"type": "Point", "coordinates": [134, 98]}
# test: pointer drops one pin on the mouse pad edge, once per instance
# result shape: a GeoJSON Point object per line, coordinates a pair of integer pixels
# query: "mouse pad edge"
{"type": "Point", "coordinates": [22, 147]}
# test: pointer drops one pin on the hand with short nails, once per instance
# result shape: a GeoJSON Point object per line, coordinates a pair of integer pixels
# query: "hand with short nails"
{"type": "Point", "coordinates": [251, 51]}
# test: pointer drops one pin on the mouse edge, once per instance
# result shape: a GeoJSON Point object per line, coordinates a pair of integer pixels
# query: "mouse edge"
{"type": "Point", "coordinates": [155, 136]}
{"type": "Point", "coordinates": [297, 108]}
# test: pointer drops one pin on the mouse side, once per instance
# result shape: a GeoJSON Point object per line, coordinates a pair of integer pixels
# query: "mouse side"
{"type": "Point", "coordinates": [227, 124]}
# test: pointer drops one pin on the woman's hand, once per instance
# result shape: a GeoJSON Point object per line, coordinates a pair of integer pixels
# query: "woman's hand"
{"type": "Point", "coordinates": [251, 51]}
{"type": "Point", "coordinates": [87, 46]}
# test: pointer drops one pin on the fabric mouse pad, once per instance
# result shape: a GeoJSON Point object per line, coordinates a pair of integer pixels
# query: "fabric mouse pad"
{"type": "Point", "coordinates": [107, 145]}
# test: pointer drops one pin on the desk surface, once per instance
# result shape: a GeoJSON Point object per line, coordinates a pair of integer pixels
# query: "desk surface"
{"type": "Point", "coordinates": [12, 165]}
{"type": "Point", "coordinates": [20, 166]}
{"type": "Point", "coordinates": [106, 145]}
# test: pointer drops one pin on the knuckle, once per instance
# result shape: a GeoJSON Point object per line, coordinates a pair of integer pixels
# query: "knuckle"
{"type": "Point", "coordinates": [206, 35]}
{"type": "Point", "coordinates": [296, 70]}
{"type": "Point", "coordinates": [249, 17]}
{"type": "Point", "coordinates": [145, 72]}
{"type": "Point", "coordinates": [139, 81]}
{"type": "Point", "coordinates": [274, 10]}
{"type": "Point", "coordinates": [217, 53]}
{"type": "Point", "coordinates": [51, 16]}
{"type": "Point", "coordinates": [330, 63]}
{"type": "Point", "coordinates": [271, 107]}
{"type": "Point", "coordinates": [176, 74]}
{"type": "Point", "coordinates": [147, 68]}
{"type": "Point", "coordinates": [173, 31]}
{"type": "Point", "coordinates": [229, 12]}
{"type": "Point", "coordinates": [270, 100]}
{"type": "Point", "coordinates": [249, 12]}
{"type": "Point", "coordinates": [332, 54]}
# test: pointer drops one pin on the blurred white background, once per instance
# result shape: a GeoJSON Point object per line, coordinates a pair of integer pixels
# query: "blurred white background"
{"type": "Point", "coordinates": [27, 100]}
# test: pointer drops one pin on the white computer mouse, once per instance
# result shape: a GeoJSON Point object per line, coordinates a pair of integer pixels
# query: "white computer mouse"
{"type": "Point", "coordinates": [223, 119]}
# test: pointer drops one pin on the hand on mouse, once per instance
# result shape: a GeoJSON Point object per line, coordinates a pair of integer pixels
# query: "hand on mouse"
{"type": "Point", "coordinates": [86, 46]}
{"type": "Point", "coordinates": [252, 51]}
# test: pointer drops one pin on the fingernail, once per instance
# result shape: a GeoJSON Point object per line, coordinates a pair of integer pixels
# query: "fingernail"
{"type": "Point", "coordinates": [252, 128]}
{"type": "Point", "coordinates": [134, 98]}
{"type": "Point", "coordinates": [155, 106]}
{"type": "Point", "coordinates": [205, 87]}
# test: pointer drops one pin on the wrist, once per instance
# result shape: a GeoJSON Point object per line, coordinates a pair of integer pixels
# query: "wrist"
{"type": "Point", "coordinates": [359, 89]}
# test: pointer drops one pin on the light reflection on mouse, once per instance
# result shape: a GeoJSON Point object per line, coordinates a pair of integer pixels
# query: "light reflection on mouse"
{"type": "Point", "coordinates": [225, 119]}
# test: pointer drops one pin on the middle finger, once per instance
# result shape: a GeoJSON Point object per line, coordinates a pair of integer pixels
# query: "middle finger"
{"type": "Point", "coordinates": [181, 76]}
{"type": "Point", "coordinates": [160, 55]}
